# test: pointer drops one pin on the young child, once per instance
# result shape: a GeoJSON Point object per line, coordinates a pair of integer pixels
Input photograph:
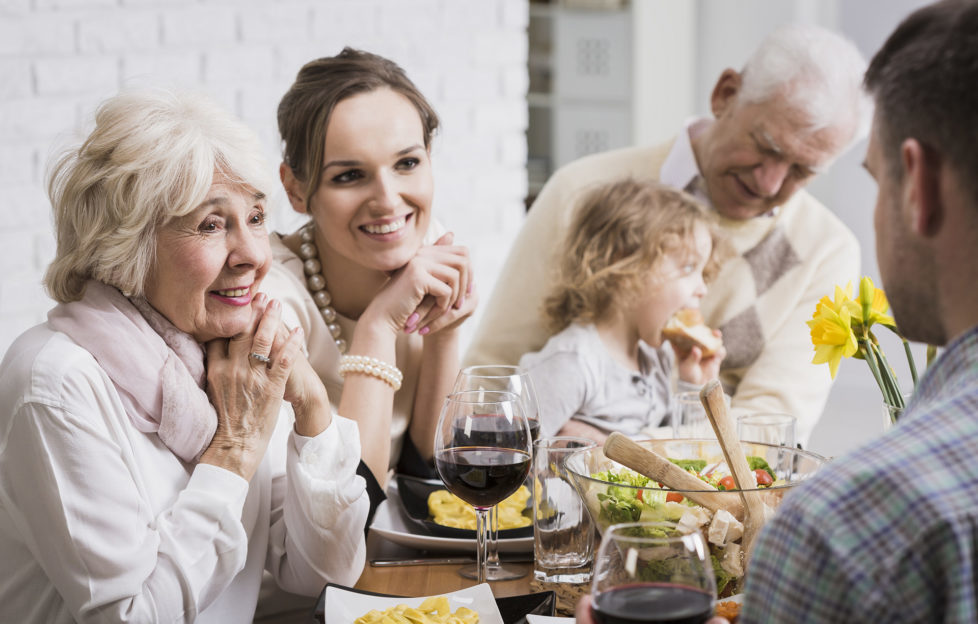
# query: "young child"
{"type": "Point", "coordinates": [636, 253]}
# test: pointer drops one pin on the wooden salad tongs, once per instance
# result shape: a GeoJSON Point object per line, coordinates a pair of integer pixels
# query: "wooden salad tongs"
{"type": "Point", "coordinates": [716, 409]}
{"type": "Point", "coordinates": [625, 451]}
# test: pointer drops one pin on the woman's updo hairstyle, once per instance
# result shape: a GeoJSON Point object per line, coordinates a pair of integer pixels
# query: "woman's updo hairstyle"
{"type": "Point", "coordinates": [305, 110]}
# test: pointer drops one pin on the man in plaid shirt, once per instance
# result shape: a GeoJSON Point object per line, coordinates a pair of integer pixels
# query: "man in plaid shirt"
{"type": "Point", "coordinates": [888, 533]}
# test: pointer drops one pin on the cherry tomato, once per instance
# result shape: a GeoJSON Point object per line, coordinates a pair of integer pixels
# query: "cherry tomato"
{"type": "Point", "coordinates": [639, 495]}
{"type": "Point", "coordinates": [674, 497]}
{"type": "Point", "coordinates": [727, 483]}
{"type": "Point", "coordinates": [763, 477]}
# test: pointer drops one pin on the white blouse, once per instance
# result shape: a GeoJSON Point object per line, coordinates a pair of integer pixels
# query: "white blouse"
{"type": "Point", "coordinates": [100, 522]}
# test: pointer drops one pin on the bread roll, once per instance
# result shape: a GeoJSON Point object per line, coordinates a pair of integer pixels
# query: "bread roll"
{"type": "Point", "coordinates": [686, 330]}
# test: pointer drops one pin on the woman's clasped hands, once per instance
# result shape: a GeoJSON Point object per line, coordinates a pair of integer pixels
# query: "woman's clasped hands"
{"type": "Point", "coordinates": [247, 391]}
{"type": "Point", "coordinates": [434, 291]}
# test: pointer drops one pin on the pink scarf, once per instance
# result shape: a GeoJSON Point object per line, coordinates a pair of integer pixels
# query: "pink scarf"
{"type": "Point", "coordinates": [157, 369]}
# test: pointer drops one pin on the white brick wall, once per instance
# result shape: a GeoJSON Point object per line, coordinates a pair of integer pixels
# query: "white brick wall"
{"type": "Point", "coordinates": [60, 58]}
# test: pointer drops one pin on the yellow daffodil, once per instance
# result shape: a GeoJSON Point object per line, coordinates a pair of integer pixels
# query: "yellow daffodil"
{"type": "Point", "coordinates": [873, 305]}
{"type": "Point", "coordinates": [831, 329]}
{"type": "Point", "coordinates": [842, 327]}
{"type": "Point", "coordinates": [843, 299]}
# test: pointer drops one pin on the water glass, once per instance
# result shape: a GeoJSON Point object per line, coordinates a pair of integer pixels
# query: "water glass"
{"type": "Point", "coordinates": [563, 535]}
{"type": "Point", "coordinates": [689, 419]}
{"type": "Point", "coordinates": [770, 428]}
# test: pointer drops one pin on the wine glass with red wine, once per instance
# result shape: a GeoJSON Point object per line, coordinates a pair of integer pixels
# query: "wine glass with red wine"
{"type": "Point", "coordinates": [647, 573]}
{"type": "Point", "coordinates": [507, 379]}
{"type": "Point", "coordinates": [482, 453]}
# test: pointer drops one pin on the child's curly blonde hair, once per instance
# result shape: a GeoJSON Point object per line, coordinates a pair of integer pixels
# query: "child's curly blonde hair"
{"type": "Point", "coordinates": [620, 232]}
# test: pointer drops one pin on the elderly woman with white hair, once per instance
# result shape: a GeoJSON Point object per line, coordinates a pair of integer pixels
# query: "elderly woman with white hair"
{"type": "Point", "coordinates": [163, 441]}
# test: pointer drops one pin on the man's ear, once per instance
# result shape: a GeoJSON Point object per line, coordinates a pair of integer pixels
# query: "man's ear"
{"type": "Point", "coordinates": [922, 186]}
{"type": "Point", "coordinates": [725, 92]}
{"type": "Point", "coordinates": [293, 188]}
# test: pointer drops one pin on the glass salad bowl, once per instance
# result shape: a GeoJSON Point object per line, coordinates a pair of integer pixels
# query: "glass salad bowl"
{"type": "Point", "coordinates": [614, 494]}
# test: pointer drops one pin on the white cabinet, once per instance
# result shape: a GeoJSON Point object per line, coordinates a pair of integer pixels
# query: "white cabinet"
{"type": "Point", "coordinates": [616, 74]}
{"type": "Point", "coordinates": [580, 100]}
{"type": "Point", "coordinates": [592, 55]}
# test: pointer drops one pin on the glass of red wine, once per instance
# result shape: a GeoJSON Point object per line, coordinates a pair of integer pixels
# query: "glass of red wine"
{"type": "Point", "coordinates": [648, 572]}
{"type": "Point", "coordinates": [482, 453]}
{"type": "Point", "coordinates": [507, 379]}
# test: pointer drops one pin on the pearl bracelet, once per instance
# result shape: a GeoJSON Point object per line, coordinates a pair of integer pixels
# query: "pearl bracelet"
{"type": "Point", "coordinates": [365, 365]}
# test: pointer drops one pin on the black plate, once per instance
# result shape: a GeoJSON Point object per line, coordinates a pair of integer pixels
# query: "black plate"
{"type": "Point", "coordinates": [414, 495]}
{"type": "Point", "coordinates": [513, 609]}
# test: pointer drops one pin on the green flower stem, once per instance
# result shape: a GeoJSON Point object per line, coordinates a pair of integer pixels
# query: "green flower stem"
{"type": "Point", "coordinates": [887, 374]}
{"type": "Point", "coordinates": [889, 377]}
{"type": "Point", "coordinates": [871, 360]}
{"type": "Point", "coordinates": [913, 367]}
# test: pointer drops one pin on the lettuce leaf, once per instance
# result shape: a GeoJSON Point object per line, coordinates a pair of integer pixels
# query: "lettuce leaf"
{"type": "Point", "coordinates": [754, 462]}
{"type": "Point", "coordinates": [696, 465]}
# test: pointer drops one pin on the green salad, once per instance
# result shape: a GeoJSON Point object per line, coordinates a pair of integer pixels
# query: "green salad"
{"type": "Point", "coordinates": [626, 504]}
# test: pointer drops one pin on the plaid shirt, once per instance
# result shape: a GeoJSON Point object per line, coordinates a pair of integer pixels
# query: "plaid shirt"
{"type": "Point", "coordinates": [889, 532]}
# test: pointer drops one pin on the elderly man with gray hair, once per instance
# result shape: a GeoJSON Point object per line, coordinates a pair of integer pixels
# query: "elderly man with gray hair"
{"type": "Point", "coordinates": [794, 108]}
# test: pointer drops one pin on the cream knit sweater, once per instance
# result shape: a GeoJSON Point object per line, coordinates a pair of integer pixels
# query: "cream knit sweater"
{"type": "Point", "coordinates": [760, 300]}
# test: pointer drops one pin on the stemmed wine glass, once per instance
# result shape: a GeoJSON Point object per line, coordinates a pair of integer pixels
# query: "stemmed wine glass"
{"type": "Point", "coordinates": [482, 453]}
{"type": "Point", "coordinates": [649, 572]}
{"type": "Point", "coordinates": [507, 379]}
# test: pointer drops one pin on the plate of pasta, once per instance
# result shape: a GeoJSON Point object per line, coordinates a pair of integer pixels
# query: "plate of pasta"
{"type": "Point", "coordinates": [392, 522]}
{"type": "Point", "coordinates": [431, 506]}
{"type": "Point", "coordinates": [472, 605]}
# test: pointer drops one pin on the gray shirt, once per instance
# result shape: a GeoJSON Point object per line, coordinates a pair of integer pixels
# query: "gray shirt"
{"type": "Point", "coordinates": [576, 377]}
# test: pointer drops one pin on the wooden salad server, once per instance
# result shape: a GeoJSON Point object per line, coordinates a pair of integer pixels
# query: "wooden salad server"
{"type": "Point", "coordinates": [625, 451]}
{"type": "Point", "coordinates": [716, 409]}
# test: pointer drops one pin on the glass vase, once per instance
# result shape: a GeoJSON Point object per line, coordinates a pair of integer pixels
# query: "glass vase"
{"type": "Point", "coordinates": [891, 413]}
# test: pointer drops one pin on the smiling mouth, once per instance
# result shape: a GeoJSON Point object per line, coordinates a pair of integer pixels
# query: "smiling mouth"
{"type": "Point", "coordinates": [746, 189]}
{"type": "Point", "coordinates": [385, 228]}
{"type": "Point", "coordinates": [233, 292]}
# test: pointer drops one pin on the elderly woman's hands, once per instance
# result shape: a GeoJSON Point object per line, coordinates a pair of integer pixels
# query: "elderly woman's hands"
{"type": "Point", "coordinates": [434, 291]}
{"type": "Point", "coordinates": [303, 389]}
{"type": "Point", "coordinates": [246, 392]}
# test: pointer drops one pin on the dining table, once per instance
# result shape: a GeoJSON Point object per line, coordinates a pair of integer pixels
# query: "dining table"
{"type": "Point", "coordinates": [404, 558]}
{"type": "Point", "coordinates": [426, 579]}
{"type": "Point", "coordinates": [430, 579]}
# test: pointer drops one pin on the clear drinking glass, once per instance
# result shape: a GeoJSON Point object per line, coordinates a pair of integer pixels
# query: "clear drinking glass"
{"type": "Point", "coordinates": [770, 428]}
{"type": "Point", "coordinates": [689, 418]}
{"type": "Point", "coordinates": [647, 572]}
{"type": "Point", "coordinates": [482, 453]}
{"type": "Point", "coordinates": [505, 379]}
{"type": "Point", "coordinates": [563, 534]}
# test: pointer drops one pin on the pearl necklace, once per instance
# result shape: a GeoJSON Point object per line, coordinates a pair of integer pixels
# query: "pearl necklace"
{"type": "Point", "coordinates": [316, 284]}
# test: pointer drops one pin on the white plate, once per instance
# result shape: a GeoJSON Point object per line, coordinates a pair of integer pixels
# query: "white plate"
{"type": "Point", "coordinates": [392, 523]}
{"type": "Point", "coordinates": [547, 619]}
{"type": "Point", "coordinates": [343, 606]}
